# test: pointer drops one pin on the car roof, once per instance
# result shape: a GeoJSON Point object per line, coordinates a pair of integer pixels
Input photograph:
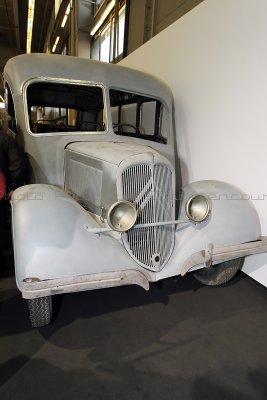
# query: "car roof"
{"type": "Point", "coordinates": [22, 68]}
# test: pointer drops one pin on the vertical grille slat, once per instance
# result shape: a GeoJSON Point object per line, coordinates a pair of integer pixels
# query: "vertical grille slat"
{"type": "Point", "coordinates": [149, 186]}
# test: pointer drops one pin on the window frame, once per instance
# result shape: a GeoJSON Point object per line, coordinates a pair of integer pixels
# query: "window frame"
{"type": "Point", "coordinates": [151, 137]}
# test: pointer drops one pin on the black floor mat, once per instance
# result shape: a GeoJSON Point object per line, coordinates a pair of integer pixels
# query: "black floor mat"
{"type": "Point", "coordinates": [178, 341]}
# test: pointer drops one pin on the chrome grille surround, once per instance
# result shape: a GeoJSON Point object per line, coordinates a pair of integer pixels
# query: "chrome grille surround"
{"type": "Point", "coordinates": [150, 187]}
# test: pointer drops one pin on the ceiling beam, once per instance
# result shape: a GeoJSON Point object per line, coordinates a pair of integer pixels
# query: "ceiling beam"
{"type": "Point", "coordinates": [16, 20]}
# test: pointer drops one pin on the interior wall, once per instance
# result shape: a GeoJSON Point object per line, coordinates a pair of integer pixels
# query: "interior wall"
{"type": "Point", "coordinates": [215, 60]}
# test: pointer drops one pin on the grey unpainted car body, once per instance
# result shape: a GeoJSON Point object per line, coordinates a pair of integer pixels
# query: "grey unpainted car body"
{"type": "Point", "coordinates": [58, 243]}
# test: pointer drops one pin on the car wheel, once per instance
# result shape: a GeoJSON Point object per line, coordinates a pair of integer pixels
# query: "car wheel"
{"type": "Point", "coordinates": [220, 273]}
{"type": "Point", "coordinates": [40, 311]}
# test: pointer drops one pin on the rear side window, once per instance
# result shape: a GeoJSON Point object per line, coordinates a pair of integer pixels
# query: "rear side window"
{"type": "Point", "coordinates": [138, 116]}
{"type": "Point", "coordinates": [58, 107]}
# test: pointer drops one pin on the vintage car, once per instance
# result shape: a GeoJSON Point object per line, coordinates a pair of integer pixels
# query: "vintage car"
{"type": "Point", "coordinates": [103, 205]}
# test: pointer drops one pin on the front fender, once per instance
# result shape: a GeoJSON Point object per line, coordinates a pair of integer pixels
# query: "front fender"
{"type": "Point", "coordinates": [51, 240]}
{"type": "Point", "coordinates": [233, 217]}
{"type": "Point", "coordinates": [233, 220]}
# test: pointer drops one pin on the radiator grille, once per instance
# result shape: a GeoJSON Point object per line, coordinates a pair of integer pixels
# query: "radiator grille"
{"type": "Point", "coordinates": [150, 188]}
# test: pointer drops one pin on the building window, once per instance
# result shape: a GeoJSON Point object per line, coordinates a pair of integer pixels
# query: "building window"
{"type": "Point", "coordinates": [108, 41]}
{"type": "Point", "coordinates": [105, 44]}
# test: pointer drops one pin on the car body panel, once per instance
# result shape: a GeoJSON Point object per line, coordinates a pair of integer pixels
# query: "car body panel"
{"type": "Point", "coordinates": [62, 239]}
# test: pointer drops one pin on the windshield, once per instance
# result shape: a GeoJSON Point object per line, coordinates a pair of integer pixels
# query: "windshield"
{"type": "Point", "coordinates": [63, 107]}
{"type": "Point", "coordinates": [138, 115]}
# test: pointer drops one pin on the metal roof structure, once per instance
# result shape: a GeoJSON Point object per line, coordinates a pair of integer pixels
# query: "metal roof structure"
{"type": "Point", "coordinates": [13, 27]}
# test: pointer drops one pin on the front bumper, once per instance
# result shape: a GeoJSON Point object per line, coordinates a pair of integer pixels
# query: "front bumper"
{"type": "Point", "coordinates": [219, 254]}
{"type": "Point", "coordinates": [32, 290]}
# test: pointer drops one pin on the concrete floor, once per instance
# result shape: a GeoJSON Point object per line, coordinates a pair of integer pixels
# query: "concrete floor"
{"type": "Point", "coordinates": [180, 340]}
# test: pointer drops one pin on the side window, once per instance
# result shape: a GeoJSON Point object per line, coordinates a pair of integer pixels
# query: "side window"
{"type": "Point", "coordinates": [57, 107]}
{"type": "Point", "coordinates": [138, 116]}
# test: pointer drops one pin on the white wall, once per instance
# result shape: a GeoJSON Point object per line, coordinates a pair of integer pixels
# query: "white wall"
{"type": "Point", "coordinates": [215, 60]}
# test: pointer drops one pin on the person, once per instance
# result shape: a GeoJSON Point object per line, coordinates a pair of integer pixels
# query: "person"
{"type": "Point", "coordinates": [12, 172]}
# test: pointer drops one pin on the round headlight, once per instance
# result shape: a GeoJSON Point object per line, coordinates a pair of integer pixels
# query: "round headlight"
{"type": "Point", "coordinates": [121, 216]}
{"type": "Point", "coordinates": [198, 208]}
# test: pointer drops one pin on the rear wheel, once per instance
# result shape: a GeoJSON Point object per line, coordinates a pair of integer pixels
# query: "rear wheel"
{"type": "Point", "coordinates": [40, 311]}
{"type": "Point", "coordinates": [220, 273]}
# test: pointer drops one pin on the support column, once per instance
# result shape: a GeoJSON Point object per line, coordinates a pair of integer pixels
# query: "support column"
{"type": "Point", "coordinates": [73, 36]}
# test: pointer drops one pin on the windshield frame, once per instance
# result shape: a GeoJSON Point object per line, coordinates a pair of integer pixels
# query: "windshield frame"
{"type": "Point", "coordinates": [66, 82]}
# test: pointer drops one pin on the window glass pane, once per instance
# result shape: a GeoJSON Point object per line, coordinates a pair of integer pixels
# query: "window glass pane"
{"type": "Point", "coordinates": [55, 107]}
{"type": "Point", "coordinates": [147, 110]}
{"type": "Point", "coordinates": [112, 40]}
{"type": "Point", "coordinates": [139, 116]}
{"type": "Point", "coordinates": [95, 49]}
{"type": "Point", "coordinates": [105, 44]}
{"type": "Point", "coordinates": [121, 29]}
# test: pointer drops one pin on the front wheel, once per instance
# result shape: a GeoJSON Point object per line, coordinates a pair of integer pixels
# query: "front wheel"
{"type": "Point", "coordinates": [220, 273]}
{"type": "Point", "coordinates": [40, 311]}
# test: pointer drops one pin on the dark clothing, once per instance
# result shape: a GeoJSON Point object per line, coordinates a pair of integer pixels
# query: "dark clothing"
{"type": "Point", "coordinates": [11, 161]}
{"type": "Point", "coordinates": [12, 167]}
{"type": "Point", "coordinates": [4, 228]}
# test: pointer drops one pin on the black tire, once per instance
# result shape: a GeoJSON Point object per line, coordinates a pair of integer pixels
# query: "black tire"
{"type": "Point", "coordinates": [40, 311]}
{"type": "Point", "coordinates": [220, 273]}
